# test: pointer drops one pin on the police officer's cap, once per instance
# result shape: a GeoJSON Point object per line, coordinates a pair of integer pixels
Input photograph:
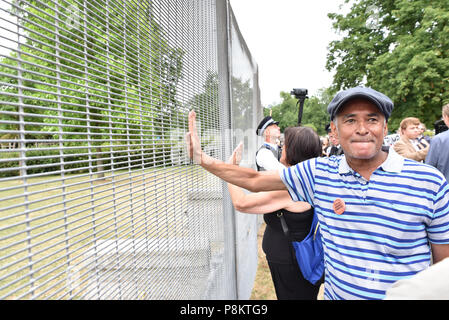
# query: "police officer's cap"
{"type": "Point", "coordinates": [267, 121]}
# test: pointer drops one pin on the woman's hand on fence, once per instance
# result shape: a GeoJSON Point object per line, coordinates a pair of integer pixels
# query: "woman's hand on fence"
{"type": "Point", "coordinates": [236, 156]}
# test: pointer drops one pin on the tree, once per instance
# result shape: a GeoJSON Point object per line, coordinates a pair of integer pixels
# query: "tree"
{"type": "Point", "coordinates": [314, 112]}
{"type": "Point", "coordinates": [402, 53]}
{"type": "Point", "coordinates": [82, 69]}
{"type": "Point", "coordinates": [285, 113]}
{"type": "Point", "coordinates": [206, 104]}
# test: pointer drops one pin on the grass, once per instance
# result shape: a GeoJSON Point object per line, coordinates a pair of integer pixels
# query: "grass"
{"type": "Point", "coordinates": [263, 285]}
{"type": "Point", "coordinates": [48, 224]}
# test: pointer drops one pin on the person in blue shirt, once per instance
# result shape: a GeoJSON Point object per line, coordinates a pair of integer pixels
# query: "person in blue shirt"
{"type": "Point", "coordinates": [383, 218]}
{"type": "Point", "coordinates": [438, 155]}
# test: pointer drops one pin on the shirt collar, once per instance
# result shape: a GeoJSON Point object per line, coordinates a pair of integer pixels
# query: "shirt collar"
{"type": "Point", "coordinates": [275, 146]}
{"type": "Point", "coordinates": [343, 166]}
{"type": "Point", "coordinates": [393, 163]}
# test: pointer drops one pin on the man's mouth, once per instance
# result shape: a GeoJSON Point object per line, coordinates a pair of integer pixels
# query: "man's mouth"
{"type": "Point", "coordinates": [362, 141]}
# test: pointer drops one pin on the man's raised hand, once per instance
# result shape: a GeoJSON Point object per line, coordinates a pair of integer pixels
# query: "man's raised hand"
{"type": "Point", "coordinates": [192, 140]}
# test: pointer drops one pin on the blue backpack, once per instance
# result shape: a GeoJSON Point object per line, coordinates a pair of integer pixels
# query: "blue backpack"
{"type": "Point", "coordinates": [309, 252]}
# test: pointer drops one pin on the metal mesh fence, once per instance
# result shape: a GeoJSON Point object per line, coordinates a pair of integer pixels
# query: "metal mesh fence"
{"type": "Point", "coordinates": [245, 118]}
{"type": "Point", "coordinates": [98, 200]}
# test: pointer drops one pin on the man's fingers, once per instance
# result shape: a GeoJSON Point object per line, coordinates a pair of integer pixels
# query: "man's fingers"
{"type": "Point", "coordinates": [189, 145]}
{"type": "Point", "coordinates": [192, 122]}
{"type": "Point", "coordinates": [195, 146]}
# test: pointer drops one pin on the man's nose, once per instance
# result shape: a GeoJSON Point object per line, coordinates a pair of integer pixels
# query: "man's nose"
{"type": "Point", "coordinates": [361, 127]}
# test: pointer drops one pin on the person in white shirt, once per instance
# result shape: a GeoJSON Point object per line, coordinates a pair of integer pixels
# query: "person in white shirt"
{"type": "Point", "coordinates": [268, 155]}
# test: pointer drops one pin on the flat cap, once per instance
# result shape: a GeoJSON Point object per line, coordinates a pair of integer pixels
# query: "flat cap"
{"type": "Point", "coordinates": [379, 99]}
{"type": "Point", "coordinates": [267, 121]}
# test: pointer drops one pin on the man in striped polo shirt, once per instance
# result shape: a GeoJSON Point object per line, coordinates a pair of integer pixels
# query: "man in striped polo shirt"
{"type": "Point", "coordinates": [382, 216]}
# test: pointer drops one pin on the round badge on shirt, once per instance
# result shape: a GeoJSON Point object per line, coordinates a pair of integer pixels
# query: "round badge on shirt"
{"type": "Point", "coordinates": [339, 206]}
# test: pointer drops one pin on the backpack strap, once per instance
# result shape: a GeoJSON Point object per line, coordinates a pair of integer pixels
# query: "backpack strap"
{"type": "Point", "coordinates": [280, 215]}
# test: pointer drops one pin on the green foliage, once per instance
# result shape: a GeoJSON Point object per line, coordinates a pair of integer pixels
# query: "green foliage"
{"type": "Point", "coordinates": [77, 160]}
{"type": "Point", "coordinates": [206, 102]}
{"type": "Point", "coordinates": [81, 73]}
{"type": "Point", "coordinates": [403, 54]}
{"type": "Point", "coordinates": [314, 112]}
{"type": "Point", "coordinates": [286, 113]}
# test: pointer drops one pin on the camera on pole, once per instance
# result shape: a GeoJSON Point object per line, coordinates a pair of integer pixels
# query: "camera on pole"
{"type": "Point", "coordinates": [301, 95]}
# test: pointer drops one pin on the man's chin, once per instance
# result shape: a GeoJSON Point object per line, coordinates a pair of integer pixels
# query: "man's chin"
{"type": "Point", "coordinates": [362, 155]}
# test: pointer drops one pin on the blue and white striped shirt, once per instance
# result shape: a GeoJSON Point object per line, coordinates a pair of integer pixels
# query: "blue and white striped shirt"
{"type": "Point", "coordinates": [384, 233]}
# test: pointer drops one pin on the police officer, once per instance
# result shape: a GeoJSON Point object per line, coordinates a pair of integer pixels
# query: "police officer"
{"type": "Point", "coordinates": [268, 155]}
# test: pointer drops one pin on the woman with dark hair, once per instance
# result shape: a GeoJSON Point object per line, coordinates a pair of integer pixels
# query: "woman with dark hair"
{"type": "Point", "coordinates": [300, 143]}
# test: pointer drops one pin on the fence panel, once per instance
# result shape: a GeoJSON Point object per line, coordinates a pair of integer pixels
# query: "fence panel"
{"type": "Point", "coordinates": [97, 197]}
{"type": "Point", "coordinates": [245, 117]}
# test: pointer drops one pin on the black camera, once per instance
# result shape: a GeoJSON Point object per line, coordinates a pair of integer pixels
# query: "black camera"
{"type": "Point", "coordinates": [301, 95]}
{"type": "Point", "coordinates": [439, 126]}
{"type": "Point", "coordinates": [299, 92]}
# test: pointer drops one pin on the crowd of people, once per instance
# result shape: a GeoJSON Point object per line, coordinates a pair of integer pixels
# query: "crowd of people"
{"type": "Point", "coordinates": [382, 204]}
{"type": "Point", "coordinates": [412, 141]}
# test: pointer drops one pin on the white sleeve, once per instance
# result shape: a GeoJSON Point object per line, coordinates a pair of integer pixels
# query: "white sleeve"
{"type": "Point", "coordinates": [430, 284]}
{"type": "Point", "coordinates": [267, 160]}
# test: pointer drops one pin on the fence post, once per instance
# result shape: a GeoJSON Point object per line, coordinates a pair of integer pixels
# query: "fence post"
{"type": "Point", "coordinates": [224, 101]}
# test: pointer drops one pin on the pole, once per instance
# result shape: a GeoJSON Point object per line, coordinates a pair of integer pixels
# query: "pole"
{"type": "Point", "coordinates": [301, 107]}
{"type": "Point", "coordinates": [301, 95]}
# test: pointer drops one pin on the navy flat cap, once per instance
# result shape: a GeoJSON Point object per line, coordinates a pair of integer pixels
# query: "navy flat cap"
{"type": "Point", "coordinates": [267, 121]}
{"type": "Point", "coordinates": [379, 99]}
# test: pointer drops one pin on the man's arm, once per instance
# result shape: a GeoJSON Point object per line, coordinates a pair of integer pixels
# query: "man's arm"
{"type": "Point", "coordinates": [408, 151]}
{"type": "Point", "coordinates": [243, 177]}
{"type": "Point", "coordinates": [260, 202]}
{"type": "Point", "coordinates": [432, 155]}
{"type": "Point", "coordinates": [438, 228]}
{"type": "Point", "coordinates": [439, 251]}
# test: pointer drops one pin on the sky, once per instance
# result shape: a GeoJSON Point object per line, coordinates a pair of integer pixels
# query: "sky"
{"type": "Point", "coordinates": [288, 39]}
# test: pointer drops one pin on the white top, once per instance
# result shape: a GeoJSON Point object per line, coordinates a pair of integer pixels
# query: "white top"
{"type": "Point", "coordinates": [267, 160]}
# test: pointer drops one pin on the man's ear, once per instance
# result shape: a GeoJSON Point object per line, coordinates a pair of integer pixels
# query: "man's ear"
{"type": "Point", "coordinates": [386, 130]}
{"type": "Point", "coordinates": [334, 130]}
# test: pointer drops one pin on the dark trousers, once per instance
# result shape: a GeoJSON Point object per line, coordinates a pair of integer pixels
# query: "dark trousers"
{"type": "Point", "coordinates": [290, 284]}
